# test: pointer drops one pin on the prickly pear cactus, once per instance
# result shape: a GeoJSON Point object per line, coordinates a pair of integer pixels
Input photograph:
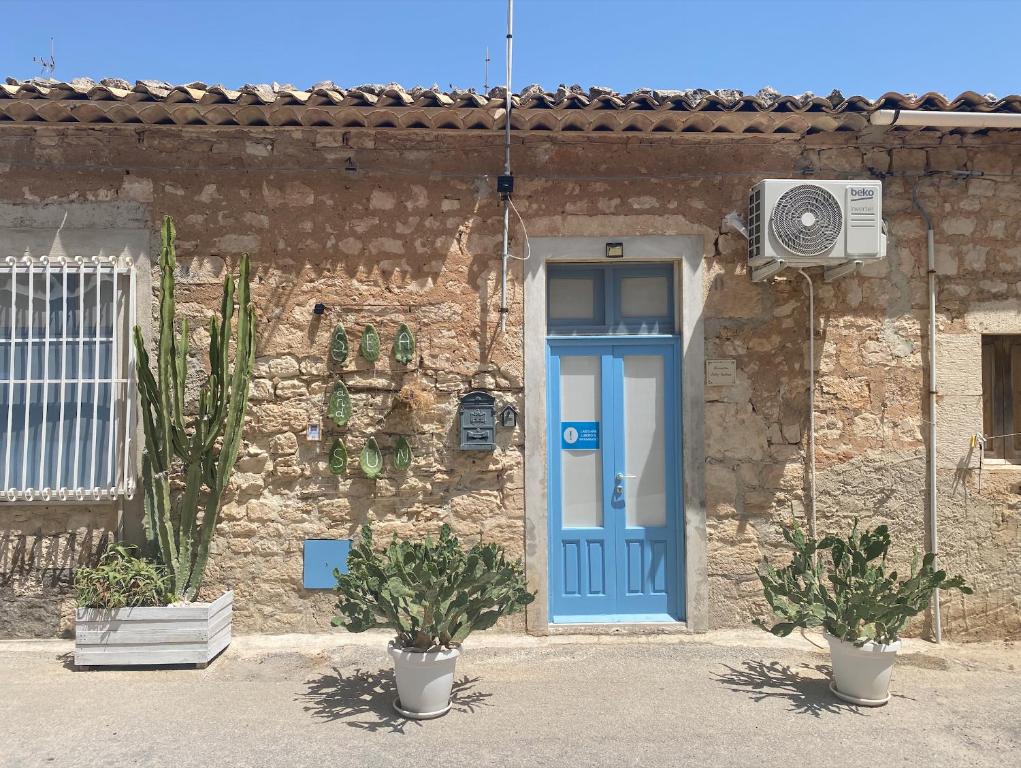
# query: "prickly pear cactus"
{"type": "Point", "coordinates": [433, 594]}
{"type": "Point", "coordinates": [339, 409]}
{"type": "Point", "coordinates": [339, 345]}
{"type": "Point", "coordinates": [404, 345]}
{"type": "Point", "coordinates": [842, 585]}
{"type": "Point", "coordinates": [402, 453]}
{"type": "Point", "coordinates": [369, 346]}
{"type": "Point", "coordinates": [338, 457]}
{"type": "Point", "coordinates": [371, 459]}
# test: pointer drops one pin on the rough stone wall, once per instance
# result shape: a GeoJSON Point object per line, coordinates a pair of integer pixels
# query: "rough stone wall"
{"type": "Point", "coordinates": [40, 547]}
{"type": "Point", "coordinates": [413, 234]}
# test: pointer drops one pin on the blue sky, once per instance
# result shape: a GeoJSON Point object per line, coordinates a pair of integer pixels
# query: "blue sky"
{"type": "Point", "coordinates": [857, 46]}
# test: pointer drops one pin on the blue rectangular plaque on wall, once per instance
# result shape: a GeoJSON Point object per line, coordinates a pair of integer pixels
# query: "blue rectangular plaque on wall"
{"type": "Point", "coordinates": [321, 557]}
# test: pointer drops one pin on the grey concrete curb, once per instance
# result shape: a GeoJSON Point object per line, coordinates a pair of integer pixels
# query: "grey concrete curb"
{"type": "Point", "coordinates": [261, 645]}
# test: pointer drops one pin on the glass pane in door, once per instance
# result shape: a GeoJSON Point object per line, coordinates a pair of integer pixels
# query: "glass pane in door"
{"type": "Point", "coordinates": [645, 428]}
{"type": "Point", "coordinates": [581, 481]}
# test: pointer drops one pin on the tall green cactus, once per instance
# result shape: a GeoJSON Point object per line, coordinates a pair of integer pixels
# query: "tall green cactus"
{"type": "Point", "coordinates": [201, 451]}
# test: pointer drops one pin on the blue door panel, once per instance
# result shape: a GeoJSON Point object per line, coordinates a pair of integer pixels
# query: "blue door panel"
{"type": "Point", "coordinates": [661, 546]}
{"type": "Point", "coordinates": [596, 568]}
{"type": "Point", "coordinates": [658, 568]}
{"type": "Point", "coordinates": [578, 556]}
{"type": "Point", "coordinates": [572, 568]}
{"type": "Point", "coordinates": [615, 573]}
{"type": "Point", "coordinates": [584, 563]}
{"type": "Point", "coordinates": [633, 567]}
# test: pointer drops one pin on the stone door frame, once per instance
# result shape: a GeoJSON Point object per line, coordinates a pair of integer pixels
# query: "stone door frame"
{"type": "Point", "coordinates": [686, 251]}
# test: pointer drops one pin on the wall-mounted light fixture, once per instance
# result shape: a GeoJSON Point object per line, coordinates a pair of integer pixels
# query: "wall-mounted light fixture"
{"type": "Point", "coordinates": [319, 308]}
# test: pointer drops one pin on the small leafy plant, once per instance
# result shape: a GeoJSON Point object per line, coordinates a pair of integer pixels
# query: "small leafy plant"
{"type": "Point", "coordinates": [121, 580]}
{"type": "Point", "coordinates": [851, 596]}
{"type": "Point", "coordinates": [433, 593]}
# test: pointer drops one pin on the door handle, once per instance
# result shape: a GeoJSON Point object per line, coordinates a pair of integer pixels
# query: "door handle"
{"type": "Point", "coordinates": [618, 489]}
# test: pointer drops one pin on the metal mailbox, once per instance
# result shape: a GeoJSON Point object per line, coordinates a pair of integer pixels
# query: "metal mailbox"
{"type": "Point", "coordinates": [477, 421]}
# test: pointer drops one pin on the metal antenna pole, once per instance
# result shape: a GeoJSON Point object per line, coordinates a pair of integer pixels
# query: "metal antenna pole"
{"type": "Point", "coordinates": [506, 169]}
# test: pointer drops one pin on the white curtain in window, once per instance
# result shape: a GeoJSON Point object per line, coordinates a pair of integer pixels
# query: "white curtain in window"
{"type": "Point", "coordinates": [64, 365]}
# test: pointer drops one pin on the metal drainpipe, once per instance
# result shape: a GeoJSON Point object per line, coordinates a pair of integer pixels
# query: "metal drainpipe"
{"type": "Point", "coordinates": [812, 528]}
{"type": "Point", "coordinates": [938, 119]}
{"type": "Point", "coordinates": [937, 623]}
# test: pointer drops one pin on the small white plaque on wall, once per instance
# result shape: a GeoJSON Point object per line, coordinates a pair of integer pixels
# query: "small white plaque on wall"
{"type": "Point", "coordinates": [720, 373]}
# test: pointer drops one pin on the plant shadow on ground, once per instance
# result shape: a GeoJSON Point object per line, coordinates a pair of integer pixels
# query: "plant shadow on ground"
{"type": "Point", "coordinates": [806, 693]}
{"type": "Point", "coordinates": [364, 699]}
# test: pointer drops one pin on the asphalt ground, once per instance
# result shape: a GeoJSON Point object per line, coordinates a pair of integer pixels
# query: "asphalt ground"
{"type": "Point", "coordinates": [731, 700]}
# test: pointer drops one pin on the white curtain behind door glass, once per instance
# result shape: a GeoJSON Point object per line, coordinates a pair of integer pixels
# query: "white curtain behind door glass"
{"type": "Point", "coordinates": [581, 471]}
{"type": "Point", "coordinates": [644, 296]}
{"type": "Point", "coordinates": [572, 298]}
{"type": "Point", "coordinates": [59, 382]}
{"type": "Point", "coordinates": [644, 441]}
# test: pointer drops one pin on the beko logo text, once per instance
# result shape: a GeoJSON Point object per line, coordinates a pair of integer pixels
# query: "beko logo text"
{"type": "Point", "coordinates": [863, 193]}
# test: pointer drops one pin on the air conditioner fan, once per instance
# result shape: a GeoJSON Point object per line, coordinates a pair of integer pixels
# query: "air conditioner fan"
{"type": "Point", "coordinates": [807, 220]}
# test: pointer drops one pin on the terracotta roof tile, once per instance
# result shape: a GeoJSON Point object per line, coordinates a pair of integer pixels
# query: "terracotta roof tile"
{"type": "Point", "coordinates": [569, 108]}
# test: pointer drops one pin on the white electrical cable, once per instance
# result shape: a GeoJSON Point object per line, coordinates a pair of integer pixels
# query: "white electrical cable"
{"type": "Point", "coordinates": [524, 230]}
{"type": "Point", "coordinates": [811, 404]}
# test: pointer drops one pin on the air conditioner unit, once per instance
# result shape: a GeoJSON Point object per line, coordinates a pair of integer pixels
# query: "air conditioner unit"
{"type": "Point", "coordinates": [813, 223]}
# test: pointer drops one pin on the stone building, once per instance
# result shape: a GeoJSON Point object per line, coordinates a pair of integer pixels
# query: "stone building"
{"type": "Point", "coordinates": [381, 205]}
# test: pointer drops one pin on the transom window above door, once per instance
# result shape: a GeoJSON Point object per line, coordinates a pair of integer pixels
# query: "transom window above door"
{"type": "Point", "coordinates": [583, 299]}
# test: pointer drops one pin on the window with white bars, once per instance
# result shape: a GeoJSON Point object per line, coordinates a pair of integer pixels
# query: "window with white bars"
{"type": "Point", "coordinates": [66, 379]}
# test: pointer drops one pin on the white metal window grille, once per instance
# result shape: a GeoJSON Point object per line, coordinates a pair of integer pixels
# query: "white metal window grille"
{"type": "Point", "coordinates": [67, 378]}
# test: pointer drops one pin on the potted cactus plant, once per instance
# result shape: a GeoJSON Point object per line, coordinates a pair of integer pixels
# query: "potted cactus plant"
{"type": "Point", "coordinates": [433, 594]}
{"type": "Point", "coordinates": [189, 457]}
{"type": "Point", "coordinates": [843, 585]}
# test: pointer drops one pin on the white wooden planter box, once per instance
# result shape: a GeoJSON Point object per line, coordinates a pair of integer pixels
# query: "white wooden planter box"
{"type": "Point", "coordinates": [188, 634]}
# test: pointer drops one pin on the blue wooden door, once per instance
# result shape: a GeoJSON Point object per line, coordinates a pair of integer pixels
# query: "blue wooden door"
{"type": "Point", "coordinates": [614, 470]}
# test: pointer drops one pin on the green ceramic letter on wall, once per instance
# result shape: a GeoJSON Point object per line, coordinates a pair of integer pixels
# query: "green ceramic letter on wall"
{"type": "Point", "coordinates": [402, 453]}
{"type": "Point", "coordinates": [339, 345]}
{"type": "Point", "coordinates": [338, 457]}
{"type": "Point", "coordinates": [404, 345]}
{"type": "Point", "coordinates": [369, 346]}
{"type": "Point", "coordinates": [339, 409]}
{"type": "Point", "coordinates": [371, 459]}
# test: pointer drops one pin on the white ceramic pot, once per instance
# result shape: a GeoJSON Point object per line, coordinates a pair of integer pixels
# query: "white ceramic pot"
{"type": "Point", "coordinates": [861, 675]}
{"type": "Point", "coordinates": [424, 681]}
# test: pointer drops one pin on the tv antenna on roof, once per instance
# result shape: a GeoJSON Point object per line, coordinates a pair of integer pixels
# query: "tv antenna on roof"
{"type": "Point", "coordinates": [485, 84]}
{"type": "Point", "coordinates": [48, 64]}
